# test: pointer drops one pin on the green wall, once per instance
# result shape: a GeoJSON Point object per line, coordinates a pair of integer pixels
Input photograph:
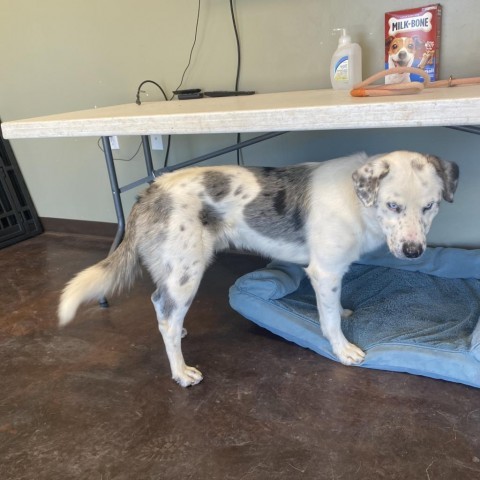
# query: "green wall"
{"type": "Point", "coordinates": [64, 55]}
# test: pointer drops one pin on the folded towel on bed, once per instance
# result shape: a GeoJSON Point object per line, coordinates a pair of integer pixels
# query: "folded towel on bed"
{"type": "Point", "coordinates": [406, 320]}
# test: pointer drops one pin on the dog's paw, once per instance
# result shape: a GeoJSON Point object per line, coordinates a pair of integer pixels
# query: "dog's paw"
{"type": "Point", "coordinates": [188, 377]}
{"type": "Point", "coordinates": [345, 313]}
{"type": "Point", "coordinates": [350, 354]}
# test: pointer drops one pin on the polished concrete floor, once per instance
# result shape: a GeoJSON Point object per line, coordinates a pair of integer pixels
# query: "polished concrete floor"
{"type": "Point", "coordinates": [96, 401]}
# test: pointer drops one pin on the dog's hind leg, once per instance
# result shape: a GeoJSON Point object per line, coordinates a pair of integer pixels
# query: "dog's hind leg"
{"type": "Point", "coordinates": [171, 300]}
{"type": "Point", "coordinates": [327, 286]}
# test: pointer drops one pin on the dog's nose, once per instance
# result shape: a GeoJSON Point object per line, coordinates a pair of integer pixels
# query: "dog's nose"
{"type": "Point", "coordinates": [402, 55]}
{"type": "Point", "coordinates": [412, 250]}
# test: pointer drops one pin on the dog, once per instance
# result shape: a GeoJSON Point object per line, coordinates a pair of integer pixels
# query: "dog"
{"type": "Point", "coordinates": [401, 53]}
{"type": "Point", "coordinates": [321, 215]}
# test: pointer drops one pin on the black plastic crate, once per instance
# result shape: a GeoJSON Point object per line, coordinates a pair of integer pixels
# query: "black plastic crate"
{"type": "Point", "coordinates": [18, 217]}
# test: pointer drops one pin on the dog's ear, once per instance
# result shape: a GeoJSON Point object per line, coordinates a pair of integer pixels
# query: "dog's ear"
{"type": "Point", "coordinates": [388, 41]}
{"type": "Point", "coordinates": [448, 172]}
{"type": "Point", "coordinates": [366, 180]}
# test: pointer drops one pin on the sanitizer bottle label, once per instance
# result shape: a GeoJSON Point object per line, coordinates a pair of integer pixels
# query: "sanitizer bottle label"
{"type": "Point", "coordinates": [341, 70]}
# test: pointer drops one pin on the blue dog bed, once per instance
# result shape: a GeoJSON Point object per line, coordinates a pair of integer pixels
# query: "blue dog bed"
{"type": "Point", "coordinates": [420, 316]}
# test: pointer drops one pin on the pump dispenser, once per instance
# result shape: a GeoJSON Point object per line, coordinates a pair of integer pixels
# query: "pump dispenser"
{"type": "Point", "coordinates": [346, 64]}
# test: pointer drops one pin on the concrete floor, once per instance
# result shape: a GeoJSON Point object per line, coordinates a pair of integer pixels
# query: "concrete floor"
{"type": "Point", "coordinates": [96, 401]}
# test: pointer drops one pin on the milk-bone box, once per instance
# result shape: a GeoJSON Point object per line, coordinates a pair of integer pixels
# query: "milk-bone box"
{"type": "Point", "coordinates": [412, 39]}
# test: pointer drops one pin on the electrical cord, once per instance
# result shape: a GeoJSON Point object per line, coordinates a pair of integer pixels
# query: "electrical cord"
{"type": "Point", "coordinates": [137, 101]}
{"type": "Point", "coordinates": [138, 150]}
{"type": "Point", "coordinates": [121, 159]}
{"type": "Point", "coordinates": [232, 12]}
{"type": "Point", "coordinates": [237, 78]}
{"type": "Point", "coordinates": [191, 51]}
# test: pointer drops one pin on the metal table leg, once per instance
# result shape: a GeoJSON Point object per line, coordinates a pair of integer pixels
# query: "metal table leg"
{"type": "Point", "coordinates": [147, 152]}
{"type": "Point", "coordinates": [117, 201]}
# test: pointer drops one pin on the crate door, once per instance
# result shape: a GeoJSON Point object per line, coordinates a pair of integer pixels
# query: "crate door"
{"type": "Point", "coordinates": [18, 218]}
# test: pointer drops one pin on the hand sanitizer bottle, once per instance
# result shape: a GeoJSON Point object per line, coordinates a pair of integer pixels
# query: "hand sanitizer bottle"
{"type": "Point", "coordinates": [346, 65]}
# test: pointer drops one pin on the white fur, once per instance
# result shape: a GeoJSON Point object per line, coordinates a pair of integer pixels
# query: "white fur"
{"type": "Point", "coordinates": [323, 215]}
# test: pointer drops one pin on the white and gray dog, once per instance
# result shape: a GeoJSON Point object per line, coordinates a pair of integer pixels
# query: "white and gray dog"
{"type": "Point", "coordinates": [322, 215]}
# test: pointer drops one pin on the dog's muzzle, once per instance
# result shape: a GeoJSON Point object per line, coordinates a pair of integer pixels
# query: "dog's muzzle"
{"type": "Point", "coordinates": [412, 249]}
{"type": "Point", "coordinates": [402, 60]}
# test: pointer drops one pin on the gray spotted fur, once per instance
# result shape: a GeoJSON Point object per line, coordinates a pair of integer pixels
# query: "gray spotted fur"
{"type": "Point", "coordinates": [280, 209]}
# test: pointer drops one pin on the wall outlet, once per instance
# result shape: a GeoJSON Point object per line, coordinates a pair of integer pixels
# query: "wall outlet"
{"type": "Point", "coordinates": [156, 142]}
{"type": "Point", "coordinates": [114, 145]}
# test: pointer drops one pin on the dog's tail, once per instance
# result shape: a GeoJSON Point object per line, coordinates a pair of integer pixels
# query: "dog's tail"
{"type": "Point", "coordinates": [114, 273]}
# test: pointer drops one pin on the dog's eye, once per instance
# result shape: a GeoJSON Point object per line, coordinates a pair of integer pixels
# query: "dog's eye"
{"type": "Point", "coordinates": [394, 207]}
{"type": "Point", "coordinates": [428, 206]}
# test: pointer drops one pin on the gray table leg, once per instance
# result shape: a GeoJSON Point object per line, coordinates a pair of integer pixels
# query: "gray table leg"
{"type": "Point", "coordinates": [117, 201]}
{"type": "Point", "coordinates": [112, 175]}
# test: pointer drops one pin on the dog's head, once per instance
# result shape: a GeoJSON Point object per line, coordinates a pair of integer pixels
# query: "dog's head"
{"type": "Point", "coordinates": [401, 50]}
{"type": "Point", "coordinates": [405, 188]}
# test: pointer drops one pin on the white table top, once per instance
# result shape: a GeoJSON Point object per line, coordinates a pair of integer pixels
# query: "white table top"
{"type": "Point", "coordinates": [288, 111]}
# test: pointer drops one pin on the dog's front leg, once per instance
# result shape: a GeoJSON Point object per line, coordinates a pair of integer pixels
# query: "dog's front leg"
{"type": "Point", "coordinates": [327, 286]}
